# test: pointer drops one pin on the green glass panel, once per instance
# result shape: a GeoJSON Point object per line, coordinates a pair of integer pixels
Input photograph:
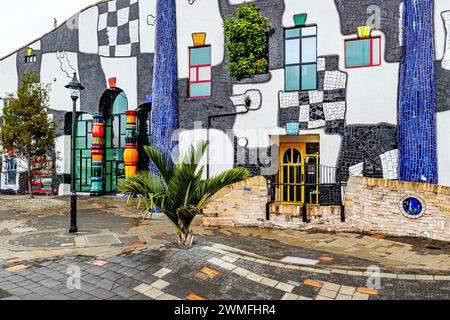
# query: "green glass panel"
{"type": "Point", "coordinates": [309, 77]}
{"type": "Point", "coordinates": [292, 33]}
{"type": "Point", "coordinates": [120, 104]}
{"type": "Point", "coordinates": [109, 154]}
{"type": "Point", "coordinates": [292, 78]}
{"type": "Point", "coordinates": [81, 143]}
{"type": "Point", "coordinates": [122, 141]}
{"type": "Point", "coordinates": [108, 137]}
{"type": "Point", "coordinates": [81, 128]}
{"type": "Point", "coordinates": [119, 154]}
{"type": "Point", "coordinates": [292, 51]}
{"type": "Point", "coordinates": [123, 123]}
{"type": "Point", "coordinates": [200, 56]}
{"type": "Point", "coordinates": [202, 89]}
{"type": "Point", "coordinates": [86, 153]}
{"type": "Point", "coordinates": [309, 50]}
{"type": "Point", "coordinates": [357, 53]}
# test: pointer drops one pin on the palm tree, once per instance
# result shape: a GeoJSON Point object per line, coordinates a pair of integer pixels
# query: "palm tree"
{"type": "Point", "coordinates": [178, 191]}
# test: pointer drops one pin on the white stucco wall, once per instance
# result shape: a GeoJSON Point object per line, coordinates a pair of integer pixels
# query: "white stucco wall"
{"type": "Point", "coordinates": [256, 125]}
{"type": "Point", "coordinates": [8, 76]}
{"type": "Point", "coordinates": [57, 71]}
{"type": "Point", "coordinates": [200, 16]}
{"type": "Point", "coordinates": [439, 27]}
{"type": "Point", "coordinates": [443, 147]}
{"type": "Point", "coordinates": [147, 16]}
{"type": "Point", "coordinates": [87, 30]}
{"type": "Point", "coordinates": [125, 70]}
{"type": "Point", "coordinates": [221, 150]}
{"type": "Point", "coordinates": [62, 148]}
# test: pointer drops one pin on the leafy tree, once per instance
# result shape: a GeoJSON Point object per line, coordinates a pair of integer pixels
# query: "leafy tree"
{"type": "Point", "coordinates": [26, 128]}
{"type": "Point", "coordinates": [178, 191]}
{"type": "Point", "coordinates": [247, 40]}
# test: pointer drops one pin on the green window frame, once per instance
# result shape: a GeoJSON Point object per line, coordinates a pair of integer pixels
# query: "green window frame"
{"type": "Point", "coordinates": [300, 60]}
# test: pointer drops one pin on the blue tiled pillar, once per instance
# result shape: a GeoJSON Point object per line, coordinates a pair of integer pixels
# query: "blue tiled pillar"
{"type": "Point", "coordinates": [165, 82]}
{"type": "Point", "coordinates": [417, 105]}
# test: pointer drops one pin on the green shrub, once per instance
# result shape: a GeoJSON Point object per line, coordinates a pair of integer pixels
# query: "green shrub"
{"type": "Point", "coordinates": [247, 40]}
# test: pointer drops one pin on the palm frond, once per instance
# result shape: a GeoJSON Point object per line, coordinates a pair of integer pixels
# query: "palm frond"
{"type": "Point", "coordinates": [213, 185]}
{"type": "Point", "coordinates": [162, 162]}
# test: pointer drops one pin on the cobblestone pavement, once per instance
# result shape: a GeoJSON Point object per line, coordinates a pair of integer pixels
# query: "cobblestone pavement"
{"type": "Point", "coordinates": [119, 257]}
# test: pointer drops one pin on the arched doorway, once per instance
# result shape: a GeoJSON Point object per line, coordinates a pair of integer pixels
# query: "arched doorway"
{"type": "Point", "coordinates": [113, 105]}
{"type": "Point", "coordinates": [292, 172]}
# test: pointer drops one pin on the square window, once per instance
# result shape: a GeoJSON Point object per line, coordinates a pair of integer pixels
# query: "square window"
{"type": "Point", "coordinates": [363, 53]}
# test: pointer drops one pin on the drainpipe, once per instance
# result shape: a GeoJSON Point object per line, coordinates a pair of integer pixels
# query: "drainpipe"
{"type": "Point", "coordinates": [210, 118]}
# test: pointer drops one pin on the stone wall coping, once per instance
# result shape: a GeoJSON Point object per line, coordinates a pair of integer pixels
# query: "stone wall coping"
{"type": "Point", "coordinates": [396, 184]}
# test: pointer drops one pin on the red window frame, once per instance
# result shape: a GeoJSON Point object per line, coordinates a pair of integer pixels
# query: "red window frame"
{"type": "Point", "coordinates": [371, 53]}
{"type": "Point", "coordinates": [41, 174]}
{"type": "Point", "coordinates": [197, 67]}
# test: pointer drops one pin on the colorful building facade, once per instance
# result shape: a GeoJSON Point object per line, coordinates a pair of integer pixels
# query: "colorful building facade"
{"type": "Point", "coordinates": [352, 88]}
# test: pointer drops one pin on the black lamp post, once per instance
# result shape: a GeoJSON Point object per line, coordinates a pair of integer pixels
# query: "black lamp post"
{"type": "Point", "coordinates": [75, 88]}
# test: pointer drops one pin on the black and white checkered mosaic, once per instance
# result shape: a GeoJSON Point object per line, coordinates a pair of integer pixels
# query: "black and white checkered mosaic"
{"type": "Point", "coordinates": [314, 108]}
{"type": "Point", "coordinates": [118, 28]}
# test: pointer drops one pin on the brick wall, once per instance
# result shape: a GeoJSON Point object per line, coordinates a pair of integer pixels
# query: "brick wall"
{"type": "Point", "coordinates": [375, 205]}
{"type": "Point", "coordinates": [242, 204]}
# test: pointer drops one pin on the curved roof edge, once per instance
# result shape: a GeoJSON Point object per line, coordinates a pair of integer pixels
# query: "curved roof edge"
{"type": "Point", "coordinates": [53, 30]}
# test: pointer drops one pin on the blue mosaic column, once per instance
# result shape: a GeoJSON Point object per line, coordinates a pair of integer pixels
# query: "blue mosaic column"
{"type": "Point", "coordinates": [165, 82]}
{"type": "Point", "coordinates": [417, 105]}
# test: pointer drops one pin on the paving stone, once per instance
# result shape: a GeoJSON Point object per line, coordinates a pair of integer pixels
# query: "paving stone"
{"type": "Point", "coordinates": [269, 282]}
{"type": "Point", "coordinates": [49, 283]}
{"type": "Point", "coordinates": [102, 294]}
{"type": "Point", "coordinates": [322, 298]}
{"type": "Point", "coordinates": [160, 284]}
{"type": "Point", "coordinates": [105, 284]}
{"type": "Point", "coordinates": [290, 296]}
{"type": "Point", "coordinates": [327, 293]}
{"type": "Point", "coordinates": [406, 277]}
{"type": "Point", "coordinates": [360, 296]}
{"type": "Point", "coordinates": [343, 297]}
{"type": "Point", "coordinates": [254, 277]}
{"type": "Point", "coordinates": [154, 293]}
{"type": "Point", "coordinates": [142, 288]}
{"type": "Point", "coordinates": [167, 297]}
{"type": "Point", "coordinates": [162, 273]}
{"type": "Point", "coordinates": [240, 271]}
{"type": "Point", "coordinates": [345, 290]}
{"type": "Point", "coordinates": [331, 286]}
{"type": "Point", "coordinates": [284, 287]}
{"type": "Point", "coordinates": [124, 292]}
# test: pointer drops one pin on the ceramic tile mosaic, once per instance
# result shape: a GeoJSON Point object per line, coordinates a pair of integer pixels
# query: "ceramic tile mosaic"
{"type": "Point", "coordinates": [417, 107]}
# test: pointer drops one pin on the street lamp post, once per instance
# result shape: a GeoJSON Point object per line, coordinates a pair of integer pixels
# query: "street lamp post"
{"type": "Point", "coordinates": [75, 88]}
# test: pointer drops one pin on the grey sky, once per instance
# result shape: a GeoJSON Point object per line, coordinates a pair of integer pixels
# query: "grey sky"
{"type": "Point", "coordinates": [23, 21]}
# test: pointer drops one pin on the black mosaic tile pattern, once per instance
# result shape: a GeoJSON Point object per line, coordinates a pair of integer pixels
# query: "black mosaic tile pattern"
{"type": "Point", "coordinates": [365, 143]}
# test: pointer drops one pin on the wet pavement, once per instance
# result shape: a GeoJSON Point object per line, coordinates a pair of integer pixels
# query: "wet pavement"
{"type": "Point", "coordinates": [116, 256]}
